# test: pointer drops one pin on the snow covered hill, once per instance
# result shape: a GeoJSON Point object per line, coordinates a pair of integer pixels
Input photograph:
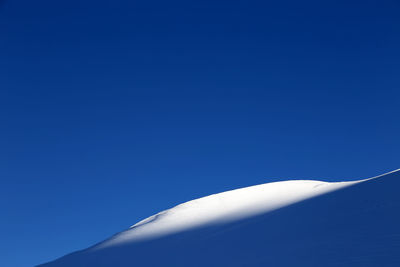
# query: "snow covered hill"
{"type": "Point", "coordinates": [290, 223]}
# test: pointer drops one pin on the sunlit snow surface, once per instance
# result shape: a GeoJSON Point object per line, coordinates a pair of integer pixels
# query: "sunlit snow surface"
{"type": "Point", "coordinates": [281, 224]}
{"type": "Point", "coordinates": [224, 207]}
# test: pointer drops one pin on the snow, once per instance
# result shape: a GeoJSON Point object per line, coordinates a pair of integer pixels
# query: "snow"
{"type": "Point", "coordinates": [224, 207]}
{"type": "Point", "coordinates": [289, 223]}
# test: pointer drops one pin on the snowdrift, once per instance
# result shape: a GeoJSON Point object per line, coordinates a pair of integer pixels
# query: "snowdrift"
{"type": "Point", "coordinates": [291, 223]}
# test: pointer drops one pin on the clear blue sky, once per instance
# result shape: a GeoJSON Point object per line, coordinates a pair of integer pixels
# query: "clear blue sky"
{"type": "Point", "coordinates": [113, 110]}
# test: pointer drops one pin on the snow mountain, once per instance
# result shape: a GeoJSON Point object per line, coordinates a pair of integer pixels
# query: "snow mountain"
{"type": "Point", "coordinates": [289, 223]}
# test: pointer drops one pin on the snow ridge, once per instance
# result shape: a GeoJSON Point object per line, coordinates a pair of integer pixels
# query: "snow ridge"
{"type": "Point", "coordinates": [224, 207]}
{"type": "Point", "coordinates": [357, 226]}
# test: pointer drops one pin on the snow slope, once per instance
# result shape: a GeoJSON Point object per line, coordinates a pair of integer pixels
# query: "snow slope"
{"type": "Point", "coordinates": [276, 224]}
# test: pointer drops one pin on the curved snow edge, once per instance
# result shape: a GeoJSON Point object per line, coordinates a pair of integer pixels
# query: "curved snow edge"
{"type": "Point", "coordinates": [226, 207]}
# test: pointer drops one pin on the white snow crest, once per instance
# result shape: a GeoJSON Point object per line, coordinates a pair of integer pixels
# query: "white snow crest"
{"type": "Point", "coordinates": [224, 207]}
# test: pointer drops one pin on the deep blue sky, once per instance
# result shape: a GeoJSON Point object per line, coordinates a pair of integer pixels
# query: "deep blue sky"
{"type": "Point", "coordinates": [113, 110]}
